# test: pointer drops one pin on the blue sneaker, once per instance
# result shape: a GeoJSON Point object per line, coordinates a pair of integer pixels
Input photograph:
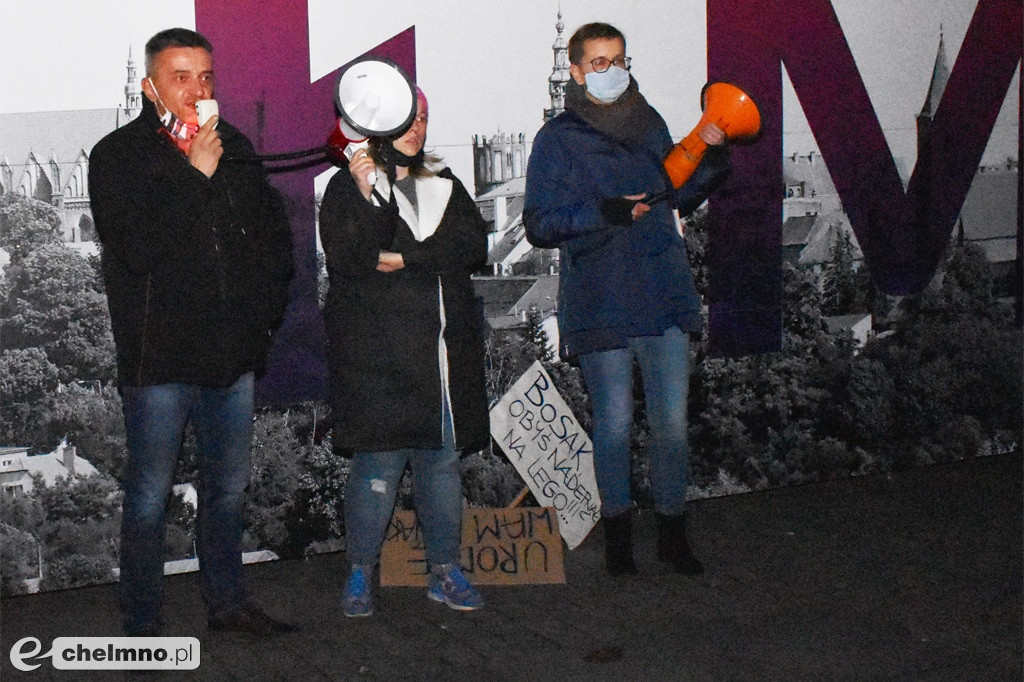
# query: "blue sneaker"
{"type": "Point", "coordinates": [357, 600]}
{"type": "Point", "coordinates": [449, 586]}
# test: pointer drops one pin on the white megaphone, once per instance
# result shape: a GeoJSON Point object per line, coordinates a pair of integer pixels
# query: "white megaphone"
{"type": "Point", "coordinates": [375, 99]}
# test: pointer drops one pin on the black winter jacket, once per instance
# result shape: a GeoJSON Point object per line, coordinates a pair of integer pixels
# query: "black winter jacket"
{"type": "Point", "coordinates": [383, 328]}
{"type": "Point", "coordinates": [196, 269]}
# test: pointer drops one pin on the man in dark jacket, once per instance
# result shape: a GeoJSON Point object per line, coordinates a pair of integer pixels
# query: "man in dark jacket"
{"type": "Point", "coordinates": [626, 293]}
{"type": "Point", "coordinates": [197, 258]}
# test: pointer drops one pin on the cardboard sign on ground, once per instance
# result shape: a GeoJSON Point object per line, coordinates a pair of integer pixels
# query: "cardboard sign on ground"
{"type": "Point", "coordinates": [518, 546]}
{"type": "Point", "coordinates": [543, 439]}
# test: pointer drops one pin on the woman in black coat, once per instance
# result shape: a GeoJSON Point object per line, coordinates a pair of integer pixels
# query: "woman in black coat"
{"type": "Point", "coordinates": [405, 349]}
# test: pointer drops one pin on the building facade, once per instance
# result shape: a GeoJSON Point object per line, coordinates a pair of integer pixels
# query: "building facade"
{"type": "Point", "coordinates": [45, 156]}
{"type": "Point", "coordinates": [500, 174]}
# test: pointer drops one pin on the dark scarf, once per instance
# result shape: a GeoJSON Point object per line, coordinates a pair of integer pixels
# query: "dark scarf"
{"type": "Point", "coordinates": [392, 158]}
{"type": "Point", "coordinates": [627, 119]}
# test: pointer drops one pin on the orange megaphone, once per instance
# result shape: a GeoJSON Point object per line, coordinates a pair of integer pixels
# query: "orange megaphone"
{"type": "Point", "coordinates": [727, 107]}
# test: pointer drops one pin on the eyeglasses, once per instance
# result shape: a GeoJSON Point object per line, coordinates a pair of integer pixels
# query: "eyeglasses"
{"type": "Point", "coordinates": [602, 64]}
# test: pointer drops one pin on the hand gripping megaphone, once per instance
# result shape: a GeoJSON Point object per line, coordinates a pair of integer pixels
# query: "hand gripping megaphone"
{"type": "Point", "coordinates": [727, 107]}
{"type": "Point", "coordinates": [375, 99]}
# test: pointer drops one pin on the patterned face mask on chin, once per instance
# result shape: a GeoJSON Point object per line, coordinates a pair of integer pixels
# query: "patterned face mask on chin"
{"type": "Point", "coordinates": [175, 126]}
{"type": "Point", "coordinates": [178, 128]}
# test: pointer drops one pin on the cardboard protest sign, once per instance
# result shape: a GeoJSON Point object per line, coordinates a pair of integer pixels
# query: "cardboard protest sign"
{"type": "Point", "coordinates": [519, 546]}
{"type": "Point", "coordinates": [550, 450]}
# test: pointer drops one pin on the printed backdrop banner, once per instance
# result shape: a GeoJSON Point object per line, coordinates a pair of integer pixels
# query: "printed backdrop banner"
{"type": "Point", "coordinates": [550, 450]}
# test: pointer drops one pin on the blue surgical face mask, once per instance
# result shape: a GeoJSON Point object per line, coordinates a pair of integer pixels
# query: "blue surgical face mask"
{"type": "Point", "coordinates": [608, 86]}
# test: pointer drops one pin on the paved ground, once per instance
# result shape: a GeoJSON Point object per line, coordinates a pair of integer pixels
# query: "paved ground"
{"type": "Point", "coordinates": [915, 576]}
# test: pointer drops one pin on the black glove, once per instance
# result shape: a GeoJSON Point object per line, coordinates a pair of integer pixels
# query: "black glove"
{"type": "Point", "coordinates": [618, 210]}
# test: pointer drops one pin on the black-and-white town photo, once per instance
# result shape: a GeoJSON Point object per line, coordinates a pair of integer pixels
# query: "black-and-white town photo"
{"type": "Point", "coordinates": [814, 368]}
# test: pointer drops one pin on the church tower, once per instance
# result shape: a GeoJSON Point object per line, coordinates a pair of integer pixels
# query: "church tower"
{"type": "Point", "coordinates": [940, 75]}
{"type": "Point", "coordinates": [132, 91]}
{"type": "Point", "coordinates": [500, 158]}
{"type": "Point", "coordinates": [559, 73]}
{"type": "Point", "coordinates": [497, 159]}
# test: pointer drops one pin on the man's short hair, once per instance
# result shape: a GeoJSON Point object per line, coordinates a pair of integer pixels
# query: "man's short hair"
{"type": "Point", "coordinates": [173, 37]}
{"type": "Point", "coordinates": [589, 32]}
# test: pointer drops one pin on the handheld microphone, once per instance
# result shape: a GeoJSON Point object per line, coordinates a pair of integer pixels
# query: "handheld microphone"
{"type": "Point", "coordinates": [205, 110]}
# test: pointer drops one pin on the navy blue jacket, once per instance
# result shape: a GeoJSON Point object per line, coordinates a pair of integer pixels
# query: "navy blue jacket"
{"type": "Point", "coordinates": [615, 282]}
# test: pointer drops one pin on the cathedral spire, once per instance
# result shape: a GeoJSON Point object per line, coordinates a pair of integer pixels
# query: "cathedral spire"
{"type": "Point", "coordinates": [132, 90]}
{"type": "Point", "coordinates": [559, 72]}
{"type": "Point", "coordinates": [940, 74]}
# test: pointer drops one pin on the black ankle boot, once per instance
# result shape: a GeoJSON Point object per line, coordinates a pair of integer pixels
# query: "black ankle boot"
{"type": "Point", "coordinates": [673, 546]}
{"type": "Point", "coordinates": [618, 544]}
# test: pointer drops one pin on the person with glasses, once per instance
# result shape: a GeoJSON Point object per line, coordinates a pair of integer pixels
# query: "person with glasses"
{"type": "Point", "coordinates": [626, 292]}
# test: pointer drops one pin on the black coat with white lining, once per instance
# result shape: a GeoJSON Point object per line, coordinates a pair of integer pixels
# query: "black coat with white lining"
{"type": "Point", "coordinates": [383, 329]}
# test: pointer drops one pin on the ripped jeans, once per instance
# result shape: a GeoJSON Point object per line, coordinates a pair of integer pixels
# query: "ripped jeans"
{"type": "Point", "coordinates": [437, 494]}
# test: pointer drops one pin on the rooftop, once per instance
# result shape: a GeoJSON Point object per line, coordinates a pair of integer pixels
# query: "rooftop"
{"type": "Point", "coordinates": [990, 209]}
{"type": "Point", "coordinates": [54, 135]}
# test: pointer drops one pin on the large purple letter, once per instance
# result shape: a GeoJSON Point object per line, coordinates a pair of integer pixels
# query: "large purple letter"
{"type": "Point", "coordinates": [901, 234]}
{"type": "Point", "coordinates": [261, 52]}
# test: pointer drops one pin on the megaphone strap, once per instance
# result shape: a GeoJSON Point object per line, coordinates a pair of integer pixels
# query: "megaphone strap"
{"type": "Point", "coordinates": [381, 201]}
{"type": "Point", "coordinates": [283, 156]}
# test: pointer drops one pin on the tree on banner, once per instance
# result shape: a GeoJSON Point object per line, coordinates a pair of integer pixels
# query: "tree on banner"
{"type": "Point", "coordinates": [543, 439]}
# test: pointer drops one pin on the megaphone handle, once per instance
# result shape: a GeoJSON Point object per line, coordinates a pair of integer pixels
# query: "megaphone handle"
{"type": "Point", "coordinates": [656, 198]}
{"type": "Point", "coordinates": [350, 150]}
{"type": "Point", "coordinates": [685, 156]}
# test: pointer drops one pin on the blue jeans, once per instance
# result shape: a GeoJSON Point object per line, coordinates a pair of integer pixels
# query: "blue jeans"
{"type": "Point", "coordinates": [437, 495]}
{"type": "Point", "coordinates": [665, 367]}
{"type": "Point", "coordinates": [155, 419]}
